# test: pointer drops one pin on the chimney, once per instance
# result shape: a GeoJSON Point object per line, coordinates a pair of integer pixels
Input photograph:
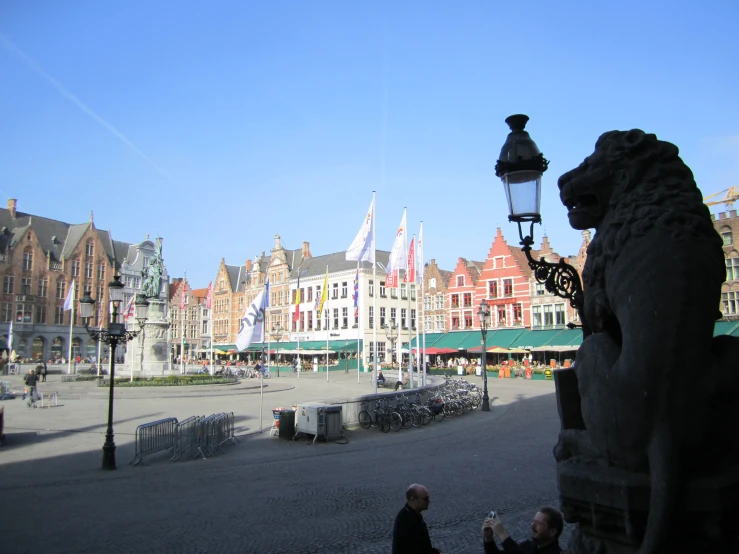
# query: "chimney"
{"type": "Point", "coordinates": [277, 243]}
{"type": "Point", "coordinates": [248, 265]}
{"type": "Point", "coordinates": [732, 213]}
{"type": "Point", "coordinates": [12, 203]}
{"type": "Point", "coordinates": [306, 250]}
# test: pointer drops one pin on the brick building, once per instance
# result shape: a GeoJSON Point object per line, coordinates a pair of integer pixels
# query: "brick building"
{"type": "Point", "coordinates": [727, 226]}
{"type": "Point", "coordinates": [40, 258]}
{"type": "Point", "coordinates": [461, 295]}
{"type": "Point", "coordinates": [184, 318]}
{"type": "Point", "coordinates": [436, 281]}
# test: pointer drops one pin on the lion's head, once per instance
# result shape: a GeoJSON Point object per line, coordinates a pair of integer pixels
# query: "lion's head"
{"type": "Point", "coordinates": [632, 183]}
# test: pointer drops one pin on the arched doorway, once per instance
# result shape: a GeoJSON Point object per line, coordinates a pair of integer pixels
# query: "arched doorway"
{"type": "Point", "coordinates": [76, 350]}
{"type": "Point", "coordinates": [21, 348]}
{"type": "Point", "coordinates": [92, 348]}
{"type": "Point", "coordinates": [57, 349]}
{"type": "Point", "coordinates": [37, 348]}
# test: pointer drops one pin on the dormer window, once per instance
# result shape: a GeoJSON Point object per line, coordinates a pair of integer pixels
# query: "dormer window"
{"type": "Point", "coordinates": [460, 280]}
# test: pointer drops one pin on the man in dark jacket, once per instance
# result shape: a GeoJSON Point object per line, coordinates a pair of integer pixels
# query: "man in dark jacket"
{"type": "Point", "coordinates": [410, 534]}
{"type": "Point", "coordinates": [545, 531]}
{"type": "Point", "coordinates": [31, 379]}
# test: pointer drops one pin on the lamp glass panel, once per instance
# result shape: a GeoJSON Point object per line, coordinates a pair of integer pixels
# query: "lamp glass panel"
{"type": "Point", "coordinates": [523, 192]}
{"type": "Point", "coordinates": [141, 310]}
{"type": "Point", "coordinates": [87, 309]}
{"type": "Point", "coordinates": [115, 293]}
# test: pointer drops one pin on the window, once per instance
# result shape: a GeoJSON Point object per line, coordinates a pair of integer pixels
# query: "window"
{"type": "Point", "coordinates": [536, 316]}
{"type": "Point", "coordinates": [101, 271]}
{"type": "Point", "coordinates": [27, 259]}
{"type": "Point", "coordinates": [382, 289]}
{"type": "Point", "coordinates": [539, 289]}
{"type": "Point", "coordinates": [727, 237]}
{"type": "Point", "coordinates": [507, 287]}
{"type": "Point", "coordinates": [730, 302]}
{"type": "Point", "coordinates": [460, 280]}
{"type": "Point", "coordinates": [43, 285]}
{"type": "Point", "coordinates": [428, 323]}
{"type": "Point", "coordinates": [204, 328]}
{"type": "Point", "coordinates": [559, 314]}
{"type": "Point", "coordinates": [492, 289]}
{"type": "Point", "coordinates": [382, 317]}
{"type": "Point", "coordinates": [499, 262]}
{"type": "Point", "coordinates": [732, 269]}
{"type": "Point", "coordinates": [439, 322]}
{"type": "Point", "coordinates": [26, 285]}
{"type": "Point", "coordinates": [310, 295]}
{"type": "Point", "coordinates": [59, 315]}
{"type": "Point", "coordinates": [548, 316]}
{"type": "Point", "coordinates": [175, 331]}
{"type": "Point", "coordinates": [146, 262]}
{"type": "Point", "coordinates": [336, 318]}
{"type": "Point", "coordinates": [371, 288]}
{"type": "Point", "coordinates": [432, 283]}
{"type": "Point", "coordinates": [88, 270]}
{"type": "Point", "coordinates": [344, 318]}
{"type": "Point", "coordinates": [517, 314]}
{"type": "Point", "coordinates": [76, 268]}
{"type": "Point", "coordinates": [427, 303]}
{"type": "Point", "coordinates": [413, 292]}
{"type": "Point", "coordinates": [335, 291]}
{"type": "Point", "coordinates": [371, 317]}
{"type": "Point", "coordinates": [455, 301]}
{"type": "Point", "coordinates": [8, 284]}
{"type": "Point", "coordinates": [455, 322]}
{"type": "Point", "coordinates": [501, 314]}
{"type": "Point", "coordinates": [136, 284]}
{"type": "Point", "coordinates": [41, 314]}
{"type": "Point", "coordinates": [403, 324]}
{"type": "Point", "coordinates": [403, 291]}
{"type": "Point", "coordinates": [100, 294]}
{"type": "Point", "coordinates": [393, 316]}
{"type": "Point", "coordinates": [467, 297]}
{"type": "Point", "coordinates": [89, 248]}
{"type": "Point", "coordinates": [439, 302]}
{"type": "Point", "coordinates": [343, 289]}
{"type": "Point", "coordinates": [7, 310]}
{"type": "Point", "coordinates": [393, 293]}
{"type": "Point", "coordinates": [60, 288]}
{"type": "Point", "coordinates": [467, 320]}
{"type": "Point", "coordinates": [413, 319]}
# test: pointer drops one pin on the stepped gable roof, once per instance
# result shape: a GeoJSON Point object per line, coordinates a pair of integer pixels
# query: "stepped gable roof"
{"type": "Point", "coordinates": [474, 268]}
{"type": "Point", "coordinates": [174, 285]}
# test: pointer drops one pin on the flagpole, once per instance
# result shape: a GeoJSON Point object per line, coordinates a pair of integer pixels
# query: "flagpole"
{"type": "Point", "coordinates": [71, 328]}
{"type": "Point", "coordinates": [359, 325]}
{"type": "Point", "coordinates": [375, 293]}
{"type": "Point", "coordinates": [324, 311]}
{"type": "Point", "coordinates": [327, 332]}
{"type": "Point", "coordinates": [423, 299]}
{"type": "Point", "coordinates": [210, 318]}
{"type": "Point", "coordinates": [408, 318]}
{"type": "Point", "coordinates": [182, 325]}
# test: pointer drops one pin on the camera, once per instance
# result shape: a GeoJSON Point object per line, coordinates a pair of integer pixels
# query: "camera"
{"type": "Point", "coordinates": [491, 514]}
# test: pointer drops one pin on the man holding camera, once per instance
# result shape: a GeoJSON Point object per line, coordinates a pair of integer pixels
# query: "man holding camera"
{"type": "Point", "coordinates": [545, 531]}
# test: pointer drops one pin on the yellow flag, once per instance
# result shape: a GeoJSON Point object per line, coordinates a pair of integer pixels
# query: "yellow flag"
{"type": "Point", "coordinates": [324, 294]}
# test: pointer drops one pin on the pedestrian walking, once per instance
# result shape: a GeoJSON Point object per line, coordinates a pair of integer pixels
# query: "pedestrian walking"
{"type": "Point", "coordinates": [31, 379]}
{"type": "Point", "coordinates": [410, 534]}
{"type": "Point", "coordinates": [44, 371]}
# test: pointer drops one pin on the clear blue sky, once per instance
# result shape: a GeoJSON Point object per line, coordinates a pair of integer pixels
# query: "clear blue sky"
{"type": "Point", "coordinates": [217, 125]}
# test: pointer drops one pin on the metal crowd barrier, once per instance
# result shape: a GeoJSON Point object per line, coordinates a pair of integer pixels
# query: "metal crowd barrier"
{"type": "Point", "coordinates": [195, 436]}
{"type": "Point", "coordinates": [154, 437]}
{"type": "Point", "coordinates": [52, 396]}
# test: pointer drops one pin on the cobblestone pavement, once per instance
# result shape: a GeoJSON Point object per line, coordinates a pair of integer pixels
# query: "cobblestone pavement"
{"type": "Point", "coordinates": [264, 494]}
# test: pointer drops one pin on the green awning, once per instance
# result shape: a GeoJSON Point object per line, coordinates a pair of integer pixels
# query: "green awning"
{"type": "Point", "coordinates": [449, 340]}
{"type": "Point", "coordinates": [472, 340]}
{"type": "Point", "coordinates": [503, 337]}
{"type": "Point", "coordinates": [533, 339]}
{"type": "Point", "coordinates": [726, 328]}
{"type": "Point", "coordinates": [430, 338]}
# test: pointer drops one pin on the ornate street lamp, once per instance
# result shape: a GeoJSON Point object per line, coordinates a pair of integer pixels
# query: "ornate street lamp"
{"type": "Point", "coordinates": [112, 336]}
{"type": "Point", "coordinates": [277, 337]}
{"type": "Point", "coordinates": [391, 332]}
{"type": "Point", "coordinates": [484, 316]}
{"type": "Point", "coordinates": [520, 167]}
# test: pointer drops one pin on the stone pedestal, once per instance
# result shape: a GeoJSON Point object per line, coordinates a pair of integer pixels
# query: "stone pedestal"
{"type": "Point", "coordinates": [150, 350]}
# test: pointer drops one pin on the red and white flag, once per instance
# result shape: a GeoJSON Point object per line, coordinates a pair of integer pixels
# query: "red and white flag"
{"type": "Point", "coordinates": [184, 295]}
{"type": "Point", "coordinates": [410, 273]}
{"type": "Point", "coordinates": [398, 257]}
{"type": "Point", "coordinates": [129, 310]}
{"type": "Point", "coordinates": [391, 282]}
{"type": "Point", "coordinates": [209, 296]}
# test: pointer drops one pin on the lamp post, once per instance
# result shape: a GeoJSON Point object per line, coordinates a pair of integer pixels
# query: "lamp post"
{"type": "Point", "coordinates": [520, 167]}
{"type": "Point", "coordinates": [112, 336]}
{"type": "Point", "coordinates": [277, 337]}
{"type": "Point", "coordinates": [391, 332]}
{"type": "Point", "coordinates": [484, 315]}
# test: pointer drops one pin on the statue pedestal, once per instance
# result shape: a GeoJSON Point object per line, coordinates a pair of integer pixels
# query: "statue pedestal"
{"type": "Point", "coordinates": [611, 508]}
{"type": "Point", "coordinates": [150, 350]}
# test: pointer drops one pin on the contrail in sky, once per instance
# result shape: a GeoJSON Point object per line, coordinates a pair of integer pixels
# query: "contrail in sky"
{"type": "Point", "coordinates": [82, 106]}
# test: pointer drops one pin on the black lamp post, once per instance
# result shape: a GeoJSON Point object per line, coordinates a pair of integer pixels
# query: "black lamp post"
{"type": "Point", "coordinates": [391, 332]}
{"type": "Point", "coordinates": [112, 336]}
{"type": "Point", "coordinates": [277, 337]}
{"type": "Point", "coordinates": [484, 315]}
{"type": "Point", "coordinates": [520, 167]}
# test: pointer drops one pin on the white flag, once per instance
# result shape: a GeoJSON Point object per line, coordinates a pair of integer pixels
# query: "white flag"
{"type": "Point", "coordinates": [362, 249]}
{"type": "Point", "coordinates": [398, 258]}
{"type": "Point", "coordinates": [419, 265]}
{"type": "Point", "coordinates": [69, 300]}
{"type": "Point", "coordinates": [252, 324]}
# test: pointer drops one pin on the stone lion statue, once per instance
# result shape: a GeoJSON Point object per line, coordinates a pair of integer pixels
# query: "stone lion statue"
{"type": "Point", "coordinates": [656, 387]}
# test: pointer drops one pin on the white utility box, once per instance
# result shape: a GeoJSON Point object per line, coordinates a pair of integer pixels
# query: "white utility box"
{"type": "Point", "coordinates": [319, 420]}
